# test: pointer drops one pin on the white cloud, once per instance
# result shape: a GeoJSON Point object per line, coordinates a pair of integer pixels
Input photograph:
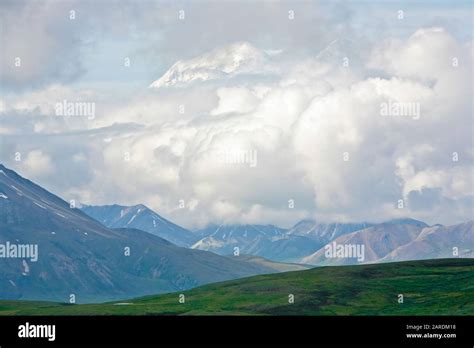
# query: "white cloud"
{"type": "Point", "coordinates": [427, 54]}
{"type": "Point", "coordinates": [40, 44]}
{"type": "Point", "coordinates": [37, 164]}
{"type": "Point", "coordinates": [235, 99]}
{"type": "Point", "coordinates": [301, 123]}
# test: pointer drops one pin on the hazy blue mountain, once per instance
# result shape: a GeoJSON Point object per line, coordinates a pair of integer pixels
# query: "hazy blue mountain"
{"type": "Point", "coordinates": [249, 239]}
{"type": "Point", "coordinates": [407, 221]}
{"type": "Point", "coordinates": [270, 241]}
{"type": "Point", "coordinates": [437, 242]}
{"type": "Point", "coordinates": [378, 241]}
{"type": "Point", "coordinates": [78, 255]}
{"type": "Point", "coordinates": [303, 242]}
{"type": "Point", "coordinates": [324, 232]}
{"type": "Point", "coordinates": [402, 240]}
{"type": "Point", "coordinates": [142, 218]}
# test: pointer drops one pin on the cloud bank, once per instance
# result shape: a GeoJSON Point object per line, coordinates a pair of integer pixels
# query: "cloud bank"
{"type": "Point", "coordinates": [243, 133]}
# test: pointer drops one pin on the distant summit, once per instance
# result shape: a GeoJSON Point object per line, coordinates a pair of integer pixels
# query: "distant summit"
{"type": "Point", "coordinates": [142, 218]}
{"type": "Point", "coordinates": [227, 61]}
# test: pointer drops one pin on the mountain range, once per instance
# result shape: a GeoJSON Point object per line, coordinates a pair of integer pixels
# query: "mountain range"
{"type": "Point", "coordinates": [79, 256]}
{"type": "Point", "coordinates": [305, 242]}
{"type": "Point", "coordinates": [275, 243]}
{"type": "Point", "coordinates": [268, 241]}
{"type": "Point", "coordinates": [110, 252]}
{"type": "Point", "coordinates": [407, 240]}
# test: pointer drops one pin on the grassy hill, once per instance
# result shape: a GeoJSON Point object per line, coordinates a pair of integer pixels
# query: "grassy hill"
{"type": "Point", "coordinates": [430, 287]}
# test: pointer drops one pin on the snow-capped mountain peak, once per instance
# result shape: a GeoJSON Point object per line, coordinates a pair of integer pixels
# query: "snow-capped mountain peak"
{"type": "Point", "coordinates": [143, 218]}
{"type": "Point", "coordinates": [227, 61]}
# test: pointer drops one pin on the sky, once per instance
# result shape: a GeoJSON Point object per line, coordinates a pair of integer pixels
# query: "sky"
{"type": "Point", "coordinates": [265, 112]}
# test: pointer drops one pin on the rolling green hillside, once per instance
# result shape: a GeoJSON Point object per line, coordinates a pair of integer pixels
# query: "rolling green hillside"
{"type": "Point", "coordinates": [430, 287]}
